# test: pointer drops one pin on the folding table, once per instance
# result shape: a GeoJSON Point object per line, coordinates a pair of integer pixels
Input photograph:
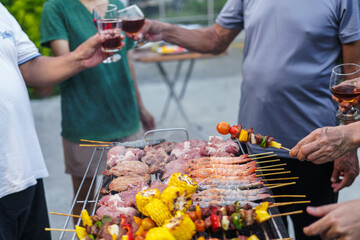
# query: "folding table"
{"type": "Point", "coordinates": [146, 55]}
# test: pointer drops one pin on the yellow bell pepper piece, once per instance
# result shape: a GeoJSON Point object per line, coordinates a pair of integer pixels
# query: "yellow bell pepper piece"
{"type": "Point", "coordinates": [243, 137]}
{"type": "Point", "coordinates": [159, 233]}
{"type": "Point", "coordinates": [253, 237]}
{"type": "Point", "coordinates": [124, 237]}
{"type": "Point", "coordinates": [275, 144]}
{"type": "Point", "coordinates": [86, 218]}
{"type": "Point", "coordinates": [261, 212]}
{"type": "Point", "coordinates": [80, 232]}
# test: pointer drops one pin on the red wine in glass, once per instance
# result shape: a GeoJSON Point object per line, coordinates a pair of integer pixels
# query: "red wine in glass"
{"type": "Point", "coordinates": [113, 44]}
{"type": "Point", "coordinates": [346, 92]}
{"type": "Point", "coordinates": [132, 24]}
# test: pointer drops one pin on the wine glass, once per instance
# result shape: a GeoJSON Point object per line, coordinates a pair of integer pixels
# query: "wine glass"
{"type": "Point", "coordinates": [105, 17]}
{"type": "Point", "coordinates": [132, 20]}
{"type": "Point", "coordinates": [345, 85]}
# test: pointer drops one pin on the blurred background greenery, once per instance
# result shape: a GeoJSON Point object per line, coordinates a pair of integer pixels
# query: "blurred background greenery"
{"type": "Point", "coordinates": [201, 12]}
{"type": "Point", "coordinates": [28, 15]}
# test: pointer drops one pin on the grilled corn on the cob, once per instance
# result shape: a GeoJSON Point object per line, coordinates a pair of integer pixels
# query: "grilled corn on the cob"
{"type": "Point", "coordinates": [144, 197]}
{"type": "Point", "coordinates": [183, 181]}
{"type": "Point", "coordinates": [158, 211]}
{"type": "Point", "coordinates": [181, 226]}
{"type": "Point", "coordinates": [176, 199]}
{"type": "Point", "coordinates": [159, 233]}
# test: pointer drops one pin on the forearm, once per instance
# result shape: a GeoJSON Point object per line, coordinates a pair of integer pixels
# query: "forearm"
{"type": "Point", "coordinates": [47, 71]}
{"type": "Point", "coordinates": [203, 40]}
{"type": "Point", "coordinates": [353, 132]}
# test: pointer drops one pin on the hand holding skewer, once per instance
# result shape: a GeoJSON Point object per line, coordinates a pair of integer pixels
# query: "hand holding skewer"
{"type": "Point", "coordinates": [325, 144]}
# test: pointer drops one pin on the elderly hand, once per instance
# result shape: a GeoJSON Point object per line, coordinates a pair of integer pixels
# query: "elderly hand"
{"type": "Point", "coordinates": [151, 31]}
{"type": "Point", "coordinates": [324, 144]}
{"type": "Point", "coordinates": [89, 53]}
{"type": "Point", "coordinates": [338, 221]}
{"type": "Point", "coordinates": [346, 169]}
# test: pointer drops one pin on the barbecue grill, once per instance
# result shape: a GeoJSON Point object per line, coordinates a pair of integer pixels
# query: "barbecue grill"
{"type": "Point", "coordinates": [271, 229]}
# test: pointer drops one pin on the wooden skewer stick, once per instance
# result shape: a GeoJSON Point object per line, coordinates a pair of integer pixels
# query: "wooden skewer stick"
{"type": "Point", "coordinates": [64, 214]}
{"type": "Point", "coordinates": [288, 203]}
{"type": "Point", "coordinates": [259, 154]}
{"type": "Point", "coordinates": [256, 158]}
{"type": "Point", "coordinates": [92, 141]}
{"type": "Point", "coordinates": [270, 169]}
{"type": "Point", "coordinates": [270, 184]}
{"type": "Point", "coordinates": [275, 160]}
{"type": "Point", "coordinates": [94, 145]}
{"type": "Point", "coordinates": [286, 214]}
{"type": "Point", "coordinates": [268, 174]}
{"type": "Point", "coordinates": [282, 185]}
{"type": "Point", "coordinates": [285, 148]}
{"type": "Point", "coordinates": [280, 179]}
{"type": "Point", "coordinates": [277, 196]}
{"type": "Point", "coordinates": [276, 165]}
{"type": "Point", "coordinates": [282, 239]}
{"type": "Point", "coordinates": [61, 230]}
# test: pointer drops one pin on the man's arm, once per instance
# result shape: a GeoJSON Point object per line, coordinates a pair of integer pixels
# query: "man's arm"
{"type": "Point", "coordinates": [346, 168]}
{"type": "Point", "coordinates": [47, 71]}
{"type": "Point", "coordinates": [215, 39]}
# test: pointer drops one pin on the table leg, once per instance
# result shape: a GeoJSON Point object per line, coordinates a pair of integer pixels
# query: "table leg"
{"type": "Point", "coordinates": [175, 97]}
{"type": "Point", "coordinates": [169, 97]}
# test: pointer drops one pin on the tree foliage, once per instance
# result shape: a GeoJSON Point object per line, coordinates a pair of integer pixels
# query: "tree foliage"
{"type": "Point", "coordinates": [28, 15]}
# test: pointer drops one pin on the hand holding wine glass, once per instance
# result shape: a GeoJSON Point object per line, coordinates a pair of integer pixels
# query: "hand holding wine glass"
{"type": "Point", "coordinates": [132, 20]}
{"type": "Point", "coordinates": [345, 86]}
{"type": "Point", "coordinates": [108, 23]}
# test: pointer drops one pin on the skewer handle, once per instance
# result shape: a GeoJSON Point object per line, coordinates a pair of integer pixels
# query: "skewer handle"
{"type": "Point", "coordinates": [60, 230]}
{"type": "Point", "coordinates": [276, 173]}
{"type": "Point", "coordinates": [286, 214]}
{"type": "Point", "coordinates": [259, 154]}
{"type": "Point", "coordinates": [64, 214]}
{"type": "Point", "coordinates": [94, 145]}
{"type": "Point", "coordinates": [277, 196]}
{"type": "Point", "coordinates": [282, 185]}
{"type": "Point", "coordinates": [285, 148]}
{"type": "Point", "coordinates": [92, 141]}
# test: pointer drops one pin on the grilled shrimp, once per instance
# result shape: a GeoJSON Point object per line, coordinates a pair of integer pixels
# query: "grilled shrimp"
{"type": "Point", "coordinates": [190, 166]}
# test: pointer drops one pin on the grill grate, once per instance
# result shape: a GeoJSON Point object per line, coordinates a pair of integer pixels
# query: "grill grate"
{"type": "Point", "coordinates": [274, 228]}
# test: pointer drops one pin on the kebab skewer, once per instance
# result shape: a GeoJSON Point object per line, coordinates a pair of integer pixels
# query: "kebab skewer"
{"type": "Point", "coordinates": [247, 135]}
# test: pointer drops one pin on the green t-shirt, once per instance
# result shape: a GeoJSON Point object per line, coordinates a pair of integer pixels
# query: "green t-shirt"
{"type": "Point", "coordinates": [98, 103]}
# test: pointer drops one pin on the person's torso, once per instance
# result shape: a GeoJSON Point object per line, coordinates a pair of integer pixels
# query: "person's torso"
{"type": "Point", "coordinates": [20, 154]}
{"type": "Point", "coordinates": [100, 102]}
{"type": "Point", "coordinates": [290, 48]}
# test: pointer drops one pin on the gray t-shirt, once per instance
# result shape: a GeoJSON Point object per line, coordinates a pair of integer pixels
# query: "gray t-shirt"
{"type": "Point", "coordinates": [290, 48]}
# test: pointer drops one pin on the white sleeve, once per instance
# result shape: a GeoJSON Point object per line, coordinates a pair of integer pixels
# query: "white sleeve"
{"type": "Point", "coordinates": [26, 49]}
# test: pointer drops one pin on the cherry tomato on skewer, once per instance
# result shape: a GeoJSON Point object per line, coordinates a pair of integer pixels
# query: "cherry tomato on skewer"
{"type": "Point", "coordinates": [223, 128]}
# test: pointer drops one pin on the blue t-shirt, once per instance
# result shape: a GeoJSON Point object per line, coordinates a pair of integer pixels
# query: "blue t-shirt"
{"type": "Point", "coordinates": [290, 49]}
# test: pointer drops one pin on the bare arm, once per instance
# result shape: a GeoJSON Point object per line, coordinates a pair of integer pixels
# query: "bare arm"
{"type": "Point", "coordinates": [47, 71]}
{"type": "Point", "coordinates": [146, 118]}
{"type": "Point", "coordinates": [215, 39]}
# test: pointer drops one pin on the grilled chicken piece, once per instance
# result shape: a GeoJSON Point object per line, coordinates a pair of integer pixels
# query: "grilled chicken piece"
{"type": "Point", "coordinates": [128, 168]}
{"type": "Point", "coordinates": [120, 153]}
{"type": "Point", "coordinates": [122, 183]}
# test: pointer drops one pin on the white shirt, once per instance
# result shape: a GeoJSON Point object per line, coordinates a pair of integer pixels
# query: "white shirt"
{"type": "Point", "coordinates": [21, 160]}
